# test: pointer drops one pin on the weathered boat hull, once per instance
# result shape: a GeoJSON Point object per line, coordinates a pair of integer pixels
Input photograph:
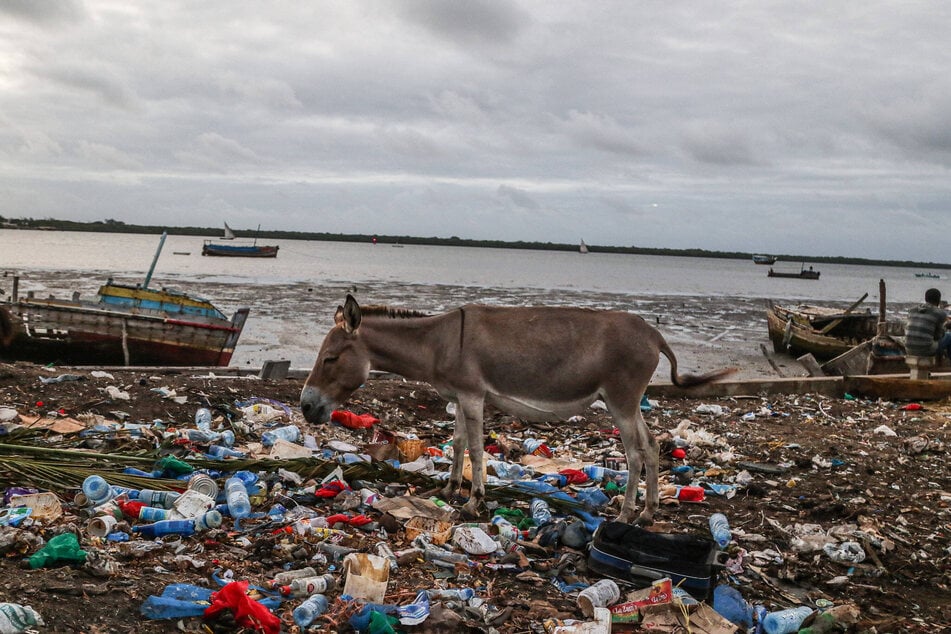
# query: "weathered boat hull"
{"type": "Point", "coordinates": [799, 330]}
{"type": "Point", "coordinates": [239, 251]}
{"type": "Point", "coordinates": [86, 333]}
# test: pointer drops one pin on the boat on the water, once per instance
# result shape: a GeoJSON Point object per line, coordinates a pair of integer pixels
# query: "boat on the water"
{"type": "Point", "coordinates": [582, 248]}
{"type": "Point", "coordinates": [759, 258]}
{"type": "Point", "coordinates": [825, 332]}
{"type": "Point", "coordinates": [131, 325]}
{"type": "Point", "coordinates": [254, 250]}
{"type": "Point", "coordinates": [801, 274]}
{"type": "Point", "coordinates": [931, 275]}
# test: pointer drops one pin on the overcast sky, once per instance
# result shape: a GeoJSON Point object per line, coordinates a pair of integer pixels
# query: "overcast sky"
{"type": "Point", "coordinates": [818, 128]}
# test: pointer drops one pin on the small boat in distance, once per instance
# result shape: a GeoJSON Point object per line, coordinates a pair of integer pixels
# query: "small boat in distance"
{"type": "Point", "coordinates": [238, 250]}
{"type": "Point", "coordinates": [802, 274]}
{"type": "Point", "coordinates": [931, 275]}
{"type": "Point", "coordinates": [583, 248]}
{"type": "Point", "coordinates": [126, 324]}
{"type": "Point", "coordinates": [759, 258]}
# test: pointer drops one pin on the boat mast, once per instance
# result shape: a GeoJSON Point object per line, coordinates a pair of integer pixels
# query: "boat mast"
{"type": "Point", "coordinates": [148, 277]}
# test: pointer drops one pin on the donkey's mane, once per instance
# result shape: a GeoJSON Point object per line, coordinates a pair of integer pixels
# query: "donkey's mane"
{"type": "Point", "coordinates": [392, 313]}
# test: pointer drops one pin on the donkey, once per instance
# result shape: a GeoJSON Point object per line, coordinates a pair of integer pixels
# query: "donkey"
{"type": "Point", "coordinates": [540, 363]}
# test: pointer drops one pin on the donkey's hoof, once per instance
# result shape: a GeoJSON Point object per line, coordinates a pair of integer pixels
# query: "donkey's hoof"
{"type": "Point", "coordinates": [471, 511]}
{"type": "Point", "coordinates": [644, 519]}
{"type": "Point", "coordinates": [448, 491]}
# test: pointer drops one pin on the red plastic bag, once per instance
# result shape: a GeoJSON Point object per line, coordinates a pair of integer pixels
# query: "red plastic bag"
{"type": "Point", "coordinates": [574, 476]}
{"type": "Point", "coordinates": [247, 611]}
{"type": "Point", "coordinates": [913, 407]}
{"type": "Point", "coordinates": [353, 421]}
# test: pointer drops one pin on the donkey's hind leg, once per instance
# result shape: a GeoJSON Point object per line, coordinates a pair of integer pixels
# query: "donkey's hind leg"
{"type": "Point", "coordinates": [640, 448]}
{"type": "Point", "coordinates": [460, 441]}
{"type": "Point", "coordinates": [473, 413]}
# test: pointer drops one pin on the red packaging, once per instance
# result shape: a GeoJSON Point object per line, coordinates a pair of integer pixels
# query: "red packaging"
{"type": "Point", "coordinates": [691, 494]}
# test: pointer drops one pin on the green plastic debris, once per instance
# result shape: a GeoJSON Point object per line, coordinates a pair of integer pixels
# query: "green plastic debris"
{"type": "Point", "coordinates": [172, 466]}
{"type": "Point", "coordinates": [61, 549]}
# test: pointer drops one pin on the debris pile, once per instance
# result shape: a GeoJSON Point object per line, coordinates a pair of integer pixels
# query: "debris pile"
{"type": "Point", "coordinates": [187, 502]}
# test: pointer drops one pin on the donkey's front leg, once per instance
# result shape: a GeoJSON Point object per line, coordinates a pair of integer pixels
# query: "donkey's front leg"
{"type": "Point", "coordinates": [460, 441]}
{"type": "Point", "coordinates": [473, 413]}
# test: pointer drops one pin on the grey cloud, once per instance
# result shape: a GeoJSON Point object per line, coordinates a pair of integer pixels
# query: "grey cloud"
{"type": "Point", "coordinates": [519, 197]}
{"type": "Point", "coordinates": [93, 79]}
{"type": "Point", "coordinates": [49, 12]}
{"type": "Point", "coordinates": [474, 22]}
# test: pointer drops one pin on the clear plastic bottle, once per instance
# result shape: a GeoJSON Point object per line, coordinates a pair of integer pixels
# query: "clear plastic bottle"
{"type": "Point", "coordinates": [541, 513]}
{"type": "Point", "coordinates": [451, 594]}
{"type": "Point", "coordinates": [152, 514]}
{"type": "Point", "coordinates": [306, 586]}
{"type": "Point", "coordinates": [237, 496]}
{"type": "Point", "coordinates": [306, 612]}
{"type": "Point", "coordinates": [785, 621]}
{"type": "Point", "coordinates": [208, 519]}
{"type": "Point", "coordinates": [720, 529]}
{"type": "Point", "coordinates": [203, 418]}
{"type": "Point", "coordinates": [160, 499]}
{"type": "Point", "coordinates": [285, 577]}
{"type": "Point", "coordinates": [290, 433]}
{"type": "Point", "coordinates": [97, 490]}
{"type": "Point", "coordinates": [383, 550]}
{"type": "Point", "coordinates": [222, 452]}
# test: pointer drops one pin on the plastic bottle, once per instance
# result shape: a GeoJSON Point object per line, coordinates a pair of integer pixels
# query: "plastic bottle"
{"type": "Point", "coordinates": [284, 578]}
{"type": "Point", "coordinates": [227, 438]}
{"type": "Point", "coordinates": [383, 550]}
{"type": "Point", "coordinates": [541, 513]}
{"type": "Point", "coordinates": [785, 621]}
{"type": "Point", "coordinates": [720, 529]}
{"type": "Point", "coordinates": [152, 514]}
{"type": "Point", "coordinates": [160, 499]}
{"type": "Point", "coordinates": [166, 527]}
{"type": "Point", "coordinates": [97, 490]}
{"type": "Point", "coordinates": [209, 519]}
{"type": "Point", "coordinates": [306, 612]}
{"type": "Point", "coordinates": [730, 604]}
{"type": "Point", "coordinates": [306, 586]}
{"type": "Point", "coordinates": [536, 447]}
{"type": "Point", "coordinates": [451, 594]}
{"type": "Point", "coordinates": [506, 470]}
{"type": "Point", "coordinates": [237, 496]}
{"type": "Point", "coordinates": [290, 433]}
{"type": "Point", "coordinates": [221, 452]}
{"type": "Point", "coordinates": [203, 418]}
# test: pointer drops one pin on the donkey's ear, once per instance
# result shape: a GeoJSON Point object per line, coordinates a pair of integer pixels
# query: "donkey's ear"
{"type": "Point", "coordinates": [338, 316]}
{"type": "Point", "coordinates": [351, 314]}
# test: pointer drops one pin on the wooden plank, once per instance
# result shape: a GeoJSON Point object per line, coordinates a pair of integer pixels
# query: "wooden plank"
{"type": "Point", "coordinates": [848, 310]}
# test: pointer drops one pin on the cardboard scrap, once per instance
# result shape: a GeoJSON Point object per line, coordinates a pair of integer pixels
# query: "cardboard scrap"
{"type": "Point", "coordinates": [660, 593]}
{"type": "Point", "coordinates": [407, 507]}
{"type": "Point", "coordinates": [702, 619]}
{"type": "Point", "coordinates": [285, 450]}
{"type": "Point", "coordinates": [67, 425]}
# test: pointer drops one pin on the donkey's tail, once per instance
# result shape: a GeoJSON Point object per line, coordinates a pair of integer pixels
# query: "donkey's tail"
{"type": "Point", "coordinates": [6, 328]}
{"type": "Point", "coordinates": [691, 380]}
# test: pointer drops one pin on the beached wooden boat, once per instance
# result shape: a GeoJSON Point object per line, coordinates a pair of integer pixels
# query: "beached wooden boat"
{"type": "Point", "coordinates": [802, 274]}
{"type": "Point", "coordinates": [759, 258]}
{"type": "Point", "coordinates": [123, 325]}
{"type": "Point", "coordinates": [824, 332]}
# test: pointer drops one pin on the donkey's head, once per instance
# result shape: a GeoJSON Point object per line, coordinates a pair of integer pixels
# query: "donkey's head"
{"type": "Point", "coordinates": [342, 366]}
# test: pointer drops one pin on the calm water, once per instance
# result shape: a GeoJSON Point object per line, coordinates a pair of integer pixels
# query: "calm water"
{"type": "Point", "coordinates": [293, 296]}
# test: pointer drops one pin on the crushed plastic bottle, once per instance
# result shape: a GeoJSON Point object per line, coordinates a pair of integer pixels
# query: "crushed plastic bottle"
{"type": "Point", "coordinates": [383, 550]}
{"type": "Point", "coordinates": [720, 530]}
{"type": "Point", "coordinates": [237, 496]}
{"type": "Point", "coordinates": [785, 621]}
{"type": "Point", "coordinates": [285, 577]}
{"type": "Point", "coordinates": [203, 418]}
{"type": "Point", "coordinates": [290, 433]}
{"type": "Point", "coordinates": [159, 499]}
{"type": "Point", "coordinates": [309, 610]}
{"type": "Point", "coordinates": [306, 586]}
{"type": "Point", "coordinates": [540, 511]}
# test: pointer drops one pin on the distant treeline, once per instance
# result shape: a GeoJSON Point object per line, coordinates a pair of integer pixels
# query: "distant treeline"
{"type": "Point", "coordinates": [117, 226]}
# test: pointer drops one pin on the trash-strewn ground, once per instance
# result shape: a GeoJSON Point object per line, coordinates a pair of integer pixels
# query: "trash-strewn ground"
{"type": "Point", "coordinates": [874, 473]}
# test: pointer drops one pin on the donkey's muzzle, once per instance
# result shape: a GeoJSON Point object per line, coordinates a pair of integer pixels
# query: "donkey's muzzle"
{"type": "Point", "coordinates": [315, 406]}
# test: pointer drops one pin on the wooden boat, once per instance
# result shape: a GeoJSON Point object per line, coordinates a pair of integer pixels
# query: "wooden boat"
{"type": "Point", "coordinates": [822, 331]}
{"type": "Point", "coordinates": [253, 250]}
{"type": "Point", "coordinates": [124, 325]}
{"type": "Point", "coordinates": [759, 258]}
{"type": "Point", "coordinates": [802, 274]}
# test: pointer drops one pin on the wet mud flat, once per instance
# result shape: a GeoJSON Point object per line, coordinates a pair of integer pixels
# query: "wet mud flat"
{"type": "Point", "coordinates": [874, 472]}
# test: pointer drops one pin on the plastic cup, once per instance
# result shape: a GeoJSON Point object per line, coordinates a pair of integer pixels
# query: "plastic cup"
{"type": "Point", "coordinates": [600, 595]}
{"type": "Point", "coordinates": [101, 526]}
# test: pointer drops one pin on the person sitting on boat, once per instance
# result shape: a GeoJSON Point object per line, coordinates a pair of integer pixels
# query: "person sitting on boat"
{"type": "Point", "coordinates": [925, 333]}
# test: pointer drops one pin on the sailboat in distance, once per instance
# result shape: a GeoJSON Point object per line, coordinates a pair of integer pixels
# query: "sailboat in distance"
{"type": "Point", "coordinates": [229, 234]}
{"type": "Point", "coordinates": [583, 248]}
